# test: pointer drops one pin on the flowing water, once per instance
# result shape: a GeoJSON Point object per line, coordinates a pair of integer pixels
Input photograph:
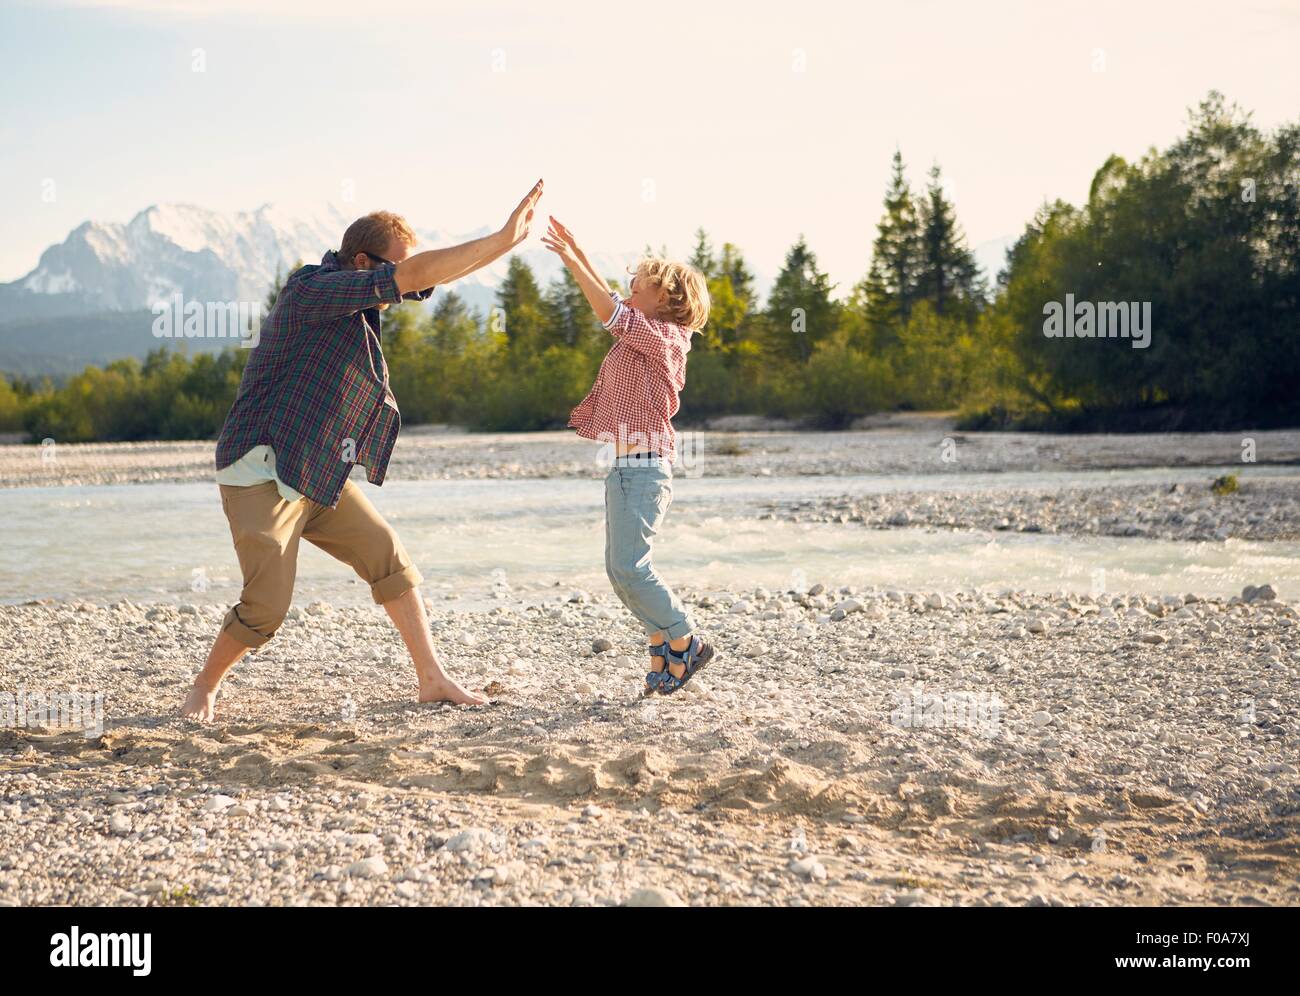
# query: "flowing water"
{"type": "Point", "coordinates": [160, 542]}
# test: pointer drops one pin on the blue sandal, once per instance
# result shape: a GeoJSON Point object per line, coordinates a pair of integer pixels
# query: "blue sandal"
{"type": "Point", "coordinates": [654, 679]}
{"type": "Point", "coordinates": [694, 657]}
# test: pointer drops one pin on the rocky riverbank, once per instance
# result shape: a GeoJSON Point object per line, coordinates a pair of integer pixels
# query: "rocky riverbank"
{"type": "Point", "coordinates": [916, 446]}
{"type": "Point", "coordinates": [1260, 510]}
{"type": "Point", "coordinates": [847, 747]}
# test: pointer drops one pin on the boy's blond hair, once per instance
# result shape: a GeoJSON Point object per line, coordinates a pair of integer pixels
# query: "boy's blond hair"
{"type": "Point", "coordinates": [688, 291]}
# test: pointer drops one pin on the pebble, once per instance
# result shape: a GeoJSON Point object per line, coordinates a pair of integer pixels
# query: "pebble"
{"type": "Point", "coordinates": [809, 868]}
{"type": "Point", "coordinates": [372, 867]}
{"type": "Point", "coordinates": [473, 839]}
{"type": "Point", "coordinates": [912, 897]}
{"type": "Point", "coordinates": [1261, 593]}
{"type": "Point", "coordinates": [653, 896]}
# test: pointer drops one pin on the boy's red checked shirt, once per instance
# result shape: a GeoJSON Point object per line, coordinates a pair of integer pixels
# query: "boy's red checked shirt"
{"type": "Point", "coordinates": [636, 392]}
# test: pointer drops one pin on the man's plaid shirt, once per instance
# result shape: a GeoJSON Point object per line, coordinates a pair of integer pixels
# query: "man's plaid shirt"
{"type": "Point", "coordinates": [316, 387]}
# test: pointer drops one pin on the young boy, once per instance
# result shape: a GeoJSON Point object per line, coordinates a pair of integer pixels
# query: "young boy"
{"type": "Point", "coordinates": [631, 405]}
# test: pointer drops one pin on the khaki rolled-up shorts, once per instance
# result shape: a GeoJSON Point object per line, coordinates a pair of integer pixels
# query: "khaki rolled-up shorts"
{"type": "Point", "coordinates": [266, 530]}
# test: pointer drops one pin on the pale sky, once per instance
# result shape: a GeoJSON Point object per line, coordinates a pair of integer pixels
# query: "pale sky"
{"type": "Point", "coordinates": [757, 120]}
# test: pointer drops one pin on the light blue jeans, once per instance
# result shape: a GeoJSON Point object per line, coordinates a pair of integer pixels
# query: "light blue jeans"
{"type": "Point", "coordinates": [638, 492]}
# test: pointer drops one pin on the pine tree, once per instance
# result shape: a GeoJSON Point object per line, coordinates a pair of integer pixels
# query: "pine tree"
{"type": "Point", "coordinates": [731, 264]}
{"type": "Point", "coordinates": [702, 257]}
{"type": "Point", "coordinates": [453, 326]}
{"type": "Point", "coordinates": [800, 311]}
{"type": "Point", "coordinates": [949, 277]}
{"type": "Point", "coordinates": [890, 288]}
{"type": "Point", "coordinates": [731, 290]}
{"type": "Point", "coordinates": [571, 322]}
{"type": "Point", "coordinates": [521, 309]}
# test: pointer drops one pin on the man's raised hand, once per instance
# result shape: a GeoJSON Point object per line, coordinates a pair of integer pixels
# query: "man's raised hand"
{"type": "Point", "coordinates": [434, 267]}
{"type": "Point", "coordinates": [516, 228]}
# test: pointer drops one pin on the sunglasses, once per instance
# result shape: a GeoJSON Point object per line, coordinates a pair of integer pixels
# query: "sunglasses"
{"type": "Point", "coordinates": [378, 259]}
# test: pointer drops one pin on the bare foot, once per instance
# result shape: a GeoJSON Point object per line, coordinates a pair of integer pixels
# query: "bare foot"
{"type": "Point", "coordinates": [443, 689]}
{"type": "Point", "coordinates": [200, 704]}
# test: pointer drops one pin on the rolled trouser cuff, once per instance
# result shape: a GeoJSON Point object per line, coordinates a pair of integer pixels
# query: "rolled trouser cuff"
{"type": "Point", "coordinates": [386, 589]}
{"type": "Point", "coordinates": [250, 638]}
{"type": "Point", "coordinates": [674, 632]}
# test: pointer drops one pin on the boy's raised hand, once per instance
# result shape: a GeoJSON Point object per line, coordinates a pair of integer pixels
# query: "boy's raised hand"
{"type": "Point", "coordinates": [517, 225]}
{"type": "Point", "coordinates": [560, 241]}
{"type": "Point", "coordinates": [563, 233]}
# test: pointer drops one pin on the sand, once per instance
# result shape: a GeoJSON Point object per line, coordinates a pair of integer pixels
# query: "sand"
{"type": "Point", "coordinates": [876, 747]}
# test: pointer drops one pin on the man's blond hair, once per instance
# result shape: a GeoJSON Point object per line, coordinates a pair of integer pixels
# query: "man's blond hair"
{"type": "Point", "coordinates": [687, 290]}
{"type": "Point", "coordinates": [374, 234]}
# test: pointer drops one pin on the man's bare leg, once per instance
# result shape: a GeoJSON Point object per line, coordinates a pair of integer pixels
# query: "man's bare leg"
{"type": "Point", "coordinates": [201, 702]}
{"type": "Point", "coordinates": [407, 613]}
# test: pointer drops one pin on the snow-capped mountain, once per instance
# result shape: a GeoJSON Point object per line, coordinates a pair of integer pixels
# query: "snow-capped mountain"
{"type": "Point", "coordinates": [165, 249]}
{"type": "Point", "coordinates": [210, 256]}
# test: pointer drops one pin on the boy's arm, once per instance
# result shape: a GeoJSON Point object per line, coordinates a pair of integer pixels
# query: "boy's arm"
{"type": "Point", "coordinates": [655, 340]}
{"type": "Point", "coordinates": [559, 233]}
{"type": "Point", "coordinates": [593, 288]}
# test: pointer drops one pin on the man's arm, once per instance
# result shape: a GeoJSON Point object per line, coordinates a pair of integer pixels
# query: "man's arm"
{"type": "Point", "coordinates": [435, 267]}
{"type": "Point", "coordinates": [440, 266]}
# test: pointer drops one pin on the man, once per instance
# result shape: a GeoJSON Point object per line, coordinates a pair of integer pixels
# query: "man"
{"type": "Point", "coordinates": [315, 400]}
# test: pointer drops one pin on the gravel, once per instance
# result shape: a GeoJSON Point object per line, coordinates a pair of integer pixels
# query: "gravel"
{"type": "Point", "coordinates": [913, 444]}
{"type": "Point", "coordinates": [1261, 510]}
{"type": "Point", "coordinates": [920, 750]}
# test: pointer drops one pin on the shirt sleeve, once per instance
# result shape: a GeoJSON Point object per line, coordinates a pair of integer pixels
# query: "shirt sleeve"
{"type": "Point", "coordinates": [419, 295]}
{"type": "Point", "coordinates": [328, 294]}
